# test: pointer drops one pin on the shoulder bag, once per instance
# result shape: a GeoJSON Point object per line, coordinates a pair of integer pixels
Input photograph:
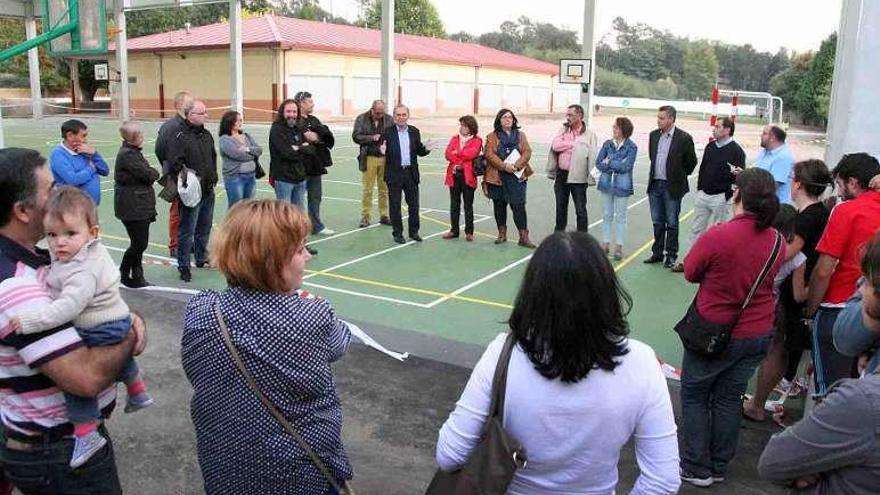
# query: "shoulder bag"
{"type": "Point", "coordinates": [252, 384]}
{"type": "Point", "coordinates": [497, 455]}
{"type": "Point", "coordinates": [710, 339]}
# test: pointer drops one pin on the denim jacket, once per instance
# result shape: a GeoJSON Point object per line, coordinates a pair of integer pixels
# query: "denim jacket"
{"type": "Point", "coordinates": [616, 166]}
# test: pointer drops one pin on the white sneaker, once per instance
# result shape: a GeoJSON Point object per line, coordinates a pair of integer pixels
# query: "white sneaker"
{"type": "Point", "coordinates": [85, 447]}
{"type": "Point", "coordinates": [327, 231]}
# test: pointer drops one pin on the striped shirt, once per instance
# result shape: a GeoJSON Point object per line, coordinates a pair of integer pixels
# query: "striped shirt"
{"type": "Point", "coordinates": [30, 402]}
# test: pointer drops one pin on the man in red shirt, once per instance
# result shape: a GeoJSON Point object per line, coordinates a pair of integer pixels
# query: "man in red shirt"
{"type": "Point", "coordinates": [850, 227]}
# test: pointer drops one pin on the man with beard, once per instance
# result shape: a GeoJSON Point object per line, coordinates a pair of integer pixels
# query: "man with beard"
{"type": "Point", "coordinates": [776, 158]}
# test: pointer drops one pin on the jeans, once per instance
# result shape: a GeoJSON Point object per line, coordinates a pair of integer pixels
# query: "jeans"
{"type": "Point", "coordinates": [195, 226]}
{"type": "Point", "coordinates": [45, 470]}
{"type": "Point", "coordinates": [292, 192]}
{"type": "Point", "coordinates": [313, 187]}
{"type": "Point", "coordinates": [410, 189]}
{"type": "Point", "coordinates": [371, 177]}
{"type": "Point", "coordinates": [709, 209]}
{"type": "Point", "coordinates": [458, 190]}
{"type": "Point", "coordinates": [711, 404]}
{"type": "Point", "coordinates": [239, 187]}
{"type": "Point", "coordinates": [139, 239]}
{"type": "Point", "coordinates": [829, 364]}
{"type": "Point", "coordinates": [664, 215]}
{"type": "Point", "coordinates": [614, 217]}
{"type": "Point", "coordinates": [578, 193]}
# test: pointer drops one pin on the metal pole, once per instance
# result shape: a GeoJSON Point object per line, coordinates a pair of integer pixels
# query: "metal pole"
{"type": "Point", "coordinates": [588, 51]}
{"type": "Point", "coordinates": [122, 62]}
{"type": "Point", "coordinates": [235, 55]}
{"type": "Point", "coordinates": [388, 94]}
{"type": "Point", "coordinates": [30, 28]}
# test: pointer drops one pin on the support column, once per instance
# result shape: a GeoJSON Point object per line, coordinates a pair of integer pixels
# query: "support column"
{"type": "Point", "coordinates": [237, 102]}
{"type": "Point", "coordinates": [122, 63]}
{"type": "Point", "coordinates": [73, 63]}
{"type": "Point", "coordinates": [388, 94]}
{"type": "Point", "coordinates": [588, 50]}
{"type": "Point", "coordinates": [30, 28]}
{"type": "Point", "coordinates": [855, 88]}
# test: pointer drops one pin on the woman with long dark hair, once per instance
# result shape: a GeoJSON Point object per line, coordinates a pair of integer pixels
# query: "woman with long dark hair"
{"type": "Point", "coordinates": [240, 153]}
{"type": "Point", "coordinates": [505, 178]}
{"type": "Point", "coordinates": [578, 389]}
{"type": "Point", "coordinates": [726, 261]}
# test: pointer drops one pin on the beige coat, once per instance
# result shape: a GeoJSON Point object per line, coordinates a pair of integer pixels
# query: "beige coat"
{"type": "Point", "coordinates": [583, 155]}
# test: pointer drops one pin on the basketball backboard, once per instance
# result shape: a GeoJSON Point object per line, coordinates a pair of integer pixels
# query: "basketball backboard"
{"type": "Point", "coordinates": [90, 37]}
{"type": "Point", "coordinates": [575, 71]}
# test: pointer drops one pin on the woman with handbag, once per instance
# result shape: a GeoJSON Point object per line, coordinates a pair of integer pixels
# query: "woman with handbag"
{"type": "Point", "coordinates": [735, 264]}
{"type": "Point", "coordinates": [577, 389]}
{"type": "Point", "coordinates": [461, 179]}
{"type": "Point", "coordinates": [266, 414]}
{"type": "Point", "coordinates": [240, 153]}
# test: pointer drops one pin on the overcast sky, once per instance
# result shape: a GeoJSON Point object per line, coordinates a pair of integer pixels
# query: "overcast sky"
{"type": "Point", "coordinates": [798, 25]}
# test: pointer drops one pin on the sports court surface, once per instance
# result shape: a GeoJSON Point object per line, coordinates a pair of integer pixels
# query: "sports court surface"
{"type": "Point", "coordinates": [449, 289]}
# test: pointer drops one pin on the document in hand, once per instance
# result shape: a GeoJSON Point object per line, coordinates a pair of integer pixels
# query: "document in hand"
{"type": "Point", "coordinates": [511, 159]}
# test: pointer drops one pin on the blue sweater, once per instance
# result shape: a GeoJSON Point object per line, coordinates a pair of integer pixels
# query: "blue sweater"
{"type": "Point", "coordinates": [78, 170]}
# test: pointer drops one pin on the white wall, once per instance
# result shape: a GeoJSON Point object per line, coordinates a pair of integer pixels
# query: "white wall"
{"type": "Point", "coordinates": [419, 94]}
{"type": "Point", "coordinates": [326, 91]}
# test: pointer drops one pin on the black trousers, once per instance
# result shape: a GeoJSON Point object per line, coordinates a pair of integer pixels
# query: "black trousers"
{"type": "Point", "coordinates": [409, 189]}
{"type": "Point", "coordinates": [519, 214]}
{"type": "Point", "coordinates": [458, 191]}
{"type": "Point", "coordinates": [578, 193]}
{"type": "Point", "coordinates": [139, 238]}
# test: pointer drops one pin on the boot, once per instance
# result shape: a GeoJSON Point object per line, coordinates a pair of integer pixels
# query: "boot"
{"type": "Point", "coordinates": [502, 235]}
{"type": "Point", "coordinates": [125, 274]}
{"type": "Point", "coordinates": [137, 278]}
{"type": "Point", "coordinates": [524, 239]}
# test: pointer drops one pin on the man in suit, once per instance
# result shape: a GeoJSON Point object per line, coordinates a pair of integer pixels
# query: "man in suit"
{"type": "Point", "coordinates": [672, 159]}
{"type": "Point", "coordinates": [403, 146]}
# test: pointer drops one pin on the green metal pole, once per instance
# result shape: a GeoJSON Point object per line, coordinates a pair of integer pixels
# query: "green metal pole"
{"type": "Point", "coordinates": [69, 28]}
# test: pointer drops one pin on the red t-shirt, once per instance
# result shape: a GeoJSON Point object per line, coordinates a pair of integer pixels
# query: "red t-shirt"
{"type": "Point", "coordinates": [852, 224]}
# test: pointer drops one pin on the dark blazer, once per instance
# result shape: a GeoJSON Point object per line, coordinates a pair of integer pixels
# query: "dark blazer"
{"type": "Point", "coordinates": [681, 161]}
{"type": "Point", "coordinates": [133, 196]}
{"type": "Point", "coordinates": [393, 169]}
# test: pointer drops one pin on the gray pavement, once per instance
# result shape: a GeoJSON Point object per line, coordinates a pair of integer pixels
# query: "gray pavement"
{"type": "Point", "coordinates": [392, 411]}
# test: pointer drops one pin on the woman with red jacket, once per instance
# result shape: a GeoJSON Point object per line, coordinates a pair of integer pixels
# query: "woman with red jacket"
{"type": "Point", "coordinates": [460, 177]}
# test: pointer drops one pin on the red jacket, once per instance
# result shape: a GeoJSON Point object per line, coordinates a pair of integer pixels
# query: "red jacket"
{"type": "Point", "coordinates": [464, 158]}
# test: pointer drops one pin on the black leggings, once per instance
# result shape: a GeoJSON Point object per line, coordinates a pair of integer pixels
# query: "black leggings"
{"type": "Point", "coordinates": [519, 214]}
{"type": "Point", "coordinates": [458, 190]}
{"type": "Point", "coordinates": [139, 235]}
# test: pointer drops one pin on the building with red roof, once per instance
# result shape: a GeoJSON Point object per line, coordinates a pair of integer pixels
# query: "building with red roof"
{"type": "Point", "coordinates": [338, 64]}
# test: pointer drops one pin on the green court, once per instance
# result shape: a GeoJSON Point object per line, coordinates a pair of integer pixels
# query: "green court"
{"type": "Point", "coordinates": [446, 288]}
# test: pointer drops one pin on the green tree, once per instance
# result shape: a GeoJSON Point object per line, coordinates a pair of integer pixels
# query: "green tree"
{"type": "Point", "coordinates": [14, 72]}
{"type": "Point", "coordinates": [417, 17]}
{"type": "Point", "coordinates": [463, 36]}
{"type": "Point", "coordinates": [700, 70]}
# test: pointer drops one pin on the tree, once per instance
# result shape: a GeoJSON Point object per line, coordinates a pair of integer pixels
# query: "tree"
{"type": "Point", "coordinates": [14, 72]}
{"type": "Point", "coordinates": [418, 17]}
{"type": "Point", "coordinates": [463, 36]}
{"type": "Point", "coordinates": [700, 70]}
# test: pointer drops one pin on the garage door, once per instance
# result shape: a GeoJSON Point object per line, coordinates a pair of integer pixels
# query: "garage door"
{"type": "Point", "coordinates": [516, 97]}
{"type": "Point", "coordinates": [490, 98]}
{"type": "Point", "coordinates": [365, 89]}
{"type": "Point", "coordinates": [420, 96]}
{"type": "Point", "coordinates": [539, 99]}
{"type": "Point", "coordinates": [458, 96]}
{"type": "Point", "coordinates": [326, 91]}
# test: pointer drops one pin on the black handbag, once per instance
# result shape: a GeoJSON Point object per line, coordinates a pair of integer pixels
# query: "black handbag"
{"type": "Point", "coordinates": [710, 339]}
{"type": "Point", "coordinates": [480, 165]}
{"type": "Point", "coordinates": [259, 173]}
{"type": "Point", "coordinates": [496, 457]}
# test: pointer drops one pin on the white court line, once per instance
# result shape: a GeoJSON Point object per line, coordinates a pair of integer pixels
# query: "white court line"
{"type": "Point", "coordinates": [350, 183]}
{"type": "Point", "coordinates": [342, 234]}
{"type": "Point", "coordinates": [516, 263]}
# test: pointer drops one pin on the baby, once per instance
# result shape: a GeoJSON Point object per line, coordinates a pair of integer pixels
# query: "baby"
{"type": "Point", "coordinates": [84, 283]}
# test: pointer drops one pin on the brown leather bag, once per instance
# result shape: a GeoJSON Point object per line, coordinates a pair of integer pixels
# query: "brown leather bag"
{"type": "Point", "coordinates": [494, 461]}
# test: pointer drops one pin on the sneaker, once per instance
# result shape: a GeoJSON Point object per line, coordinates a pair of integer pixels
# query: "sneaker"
{"type": "Point", "coordinates": [696, 480]}
{"type": "Point", "coordinates": [365, 222]}
{"type": "Point", "coordinates": [85, 447]}
{"type": "Point", "coordinates": [137, 402]}
{"type": "Point", "coordinates": [782, 387]}
{"type": "Point", "coordinates": [677, 268]}
{"type": "Point", "coordinates": [718, 478]}
{"type": "Point", "coordinates": [326, 231]}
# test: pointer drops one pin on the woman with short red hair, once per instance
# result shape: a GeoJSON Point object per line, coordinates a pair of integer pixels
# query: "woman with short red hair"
{"type": "Point", "coordinates": [461, 179]}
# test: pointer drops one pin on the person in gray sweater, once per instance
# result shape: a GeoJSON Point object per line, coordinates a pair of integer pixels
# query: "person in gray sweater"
{"type": "Point", "coordinates": [84, 283]}
{"type": "Point", "coordinates": [240, 155]}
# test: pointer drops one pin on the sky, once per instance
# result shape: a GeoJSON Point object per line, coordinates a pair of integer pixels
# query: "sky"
{"type": "Point", "coordinates": [799, 25]}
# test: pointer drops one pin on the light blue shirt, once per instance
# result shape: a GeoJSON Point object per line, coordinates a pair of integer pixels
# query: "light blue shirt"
{"type": "Point", "coordinates": [779, 163]}
{"type": "Point", "coordinates": [403, 137]}
{"type": "Point", "coordinates": [663, 145]}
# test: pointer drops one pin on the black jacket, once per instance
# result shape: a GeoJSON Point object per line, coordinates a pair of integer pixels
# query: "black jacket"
{"type": "Point", "coordinates": [285, 163]}
{"type": "Point", "coordinates": [167, 134]}
{"type": "Point", "coordinates": [317, 163]}
{"type": "Point", "coordinates": [393, 169]}
{"type": "Point", "coordinates": [193, 148]}
{"type": "Point", "coordinates": [133, 196]}
{"type": "Point", "coordinates": [681, 161]}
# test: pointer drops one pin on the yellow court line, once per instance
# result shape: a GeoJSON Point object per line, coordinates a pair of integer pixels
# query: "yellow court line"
{"type": "Point", "coordinates": [645, 246]}
{"type": "Point", "coordinates": [441, 222]}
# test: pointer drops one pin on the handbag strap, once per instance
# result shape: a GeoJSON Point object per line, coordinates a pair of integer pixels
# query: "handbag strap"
{"type": "Point", "coordinates": [499, 382]}
{"type": "Point", "coordinates": [777, 244]}
{"type": "Point", "coordinates": [236, 357]}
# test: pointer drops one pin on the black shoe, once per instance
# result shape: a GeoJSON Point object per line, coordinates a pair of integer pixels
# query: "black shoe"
{"type": "Point", "coordinates": [669, 262]}
{"type": "Point", "coordinates": [385, 221]}
{"type": "Point", "coordinates": [137, 280]}
{"type": "Point", "coordinates": [311, 250]}
{"type": "Point", "coordinates": [399, 239]}
{"type": "Point", "coordinates": [416, 237]}
{"type": "Point", "coordinates": [185, 274]}
{"type": "Point", "coordinates": [653, 259]}
{"type": "Point", "coordinates": [203, 264]}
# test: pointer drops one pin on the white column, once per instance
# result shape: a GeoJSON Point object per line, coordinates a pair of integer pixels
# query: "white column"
{"type": "Point", "coordinates": [237, 102]}
{"type": "Point", "coordinates": [588, 51]}
{"type": "Point", "coordinates": [122, 63]}
{"type": "Point", "coordinates": [389, 92]}
{"type": "Point", "coordinates": [853, 120]}
{"type": "Point", "coordinates": [30, 28]}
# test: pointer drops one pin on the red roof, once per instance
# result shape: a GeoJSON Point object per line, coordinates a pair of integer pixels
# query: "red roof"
{"type": "Point", "coordinates": [299, 34]}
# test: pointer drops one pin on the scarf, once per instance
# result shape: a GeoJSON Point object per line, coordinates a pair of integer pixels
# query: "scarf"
{"type": "Point", "coordinates": [506, 143]}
